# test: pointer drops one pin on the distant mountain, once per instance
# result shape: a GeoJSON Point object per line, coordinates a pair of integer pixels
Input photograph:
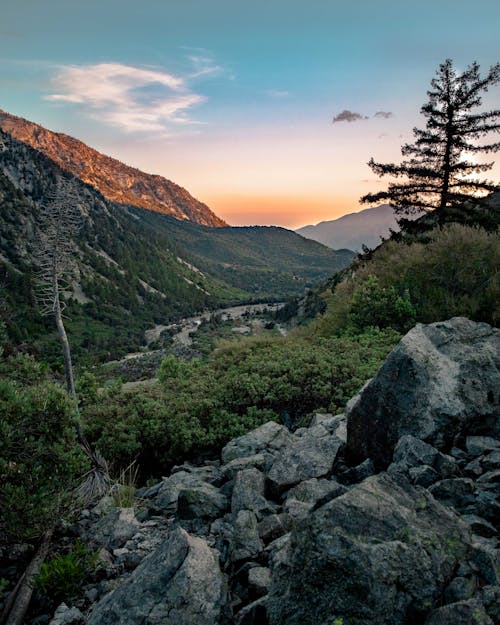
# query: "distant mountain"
{"type": "Point", "coordinates": [354, 230]}
{"type": "Point", "coordinates": [134, 268]}
{"type": "Point", "coordinates": [117, 182]}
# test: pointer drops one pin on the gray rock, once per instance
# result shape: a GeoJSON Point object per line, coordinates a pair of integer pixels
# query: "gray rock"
{"type": "Point", "coordinates": [165, 502]}
{"type": "Point", "coordinates": [479, 526]}
{"type": "Point", "coordinates": [490, 598]}
{"type": "Point", "coordinates": [440, 381]}
{"type": "Point", "coordinates": [273, 526]}
{"type": "Point", "coordinates": [259, 580]}
{"type": "Point", "coordinates": [458, 492]}
{"type": "Point", "coordinates": [179, 583]}
{"type": "Point", "coordinates": [358, 473]}
{"type": "Point", "coordinates": [309, 494]}
{"type": "Point", "coordinates": [253, 614]}
{"type": "Point", "coordinates": [469, 612]}
{"type": "Point", "coordinates": [421, 476]}
{"type": "Point", "coordinates": [308, 457]}
{"type": "Point", "coordinates": [270, 437]}
{"type": "Point", "coordinates": [412, 452]}
{"type": "Point", "coordinates": [334, 424]}
{"type": "Point", "coordinates": [230, 469]}
{"type": "Point", "coordinates": [460, 589]}
{"type": "Point", "coordinates": [478, 445]}
{"type": "Point", "coordinates": [491, 461]}
{"type": "Point", "coordinates": [246, 544]}
{"type": "Point", "coordinates": [248, 493]}
{"type": "Point", "coordinates": [67, 616]}
{"type": "Point", "coordinates": [377, 554]}
{"type": "Point", "coordinates": [491, 477]}
{"type": "Point", "coordinates": [114, 529]}
{"type": "Point", "coordinates": [201, 502]}
{"type": "Point", "coordinates": [474, 469]}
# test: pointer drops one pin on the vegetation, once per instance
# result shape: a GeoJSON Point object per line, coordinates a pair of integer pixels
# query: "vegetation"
{"type": "Point", "coordinates": [40, 461]}
{"type": "Point", "coordinates": [452, 271]}
{"type": "Point", "coordinates": [198, 406]}
{"type": "Point", "coordinates": [439, 175]}
{"type": "Point", "coordinates": [62, 577]}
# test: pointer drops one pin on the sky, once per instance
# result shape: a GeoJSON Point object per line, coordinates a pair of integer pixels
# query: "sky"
{"type": "Point", "coordinates": [236, 101]}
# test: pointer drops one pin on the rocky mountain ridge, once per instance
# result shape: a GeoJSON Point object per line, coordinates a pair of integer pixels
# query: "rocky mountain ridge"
{"type": "Point", "coordinates": [311, 527]}
{"type": "Point", "coordinates": [116, 181]}
{"type": "Point", "coordinates": [134, 268]}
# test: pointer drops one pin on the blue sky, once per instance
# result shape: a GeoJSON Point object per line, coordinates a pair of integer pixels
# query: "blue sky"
{"type": "Point", "coordinates": [235, 100]}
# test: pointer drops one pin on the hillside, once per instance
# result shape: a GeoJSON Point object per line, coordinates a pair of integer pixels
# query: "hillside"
{"type": "Point", "coordinates": [135, 268]}
{"type": "Point", "coordinates": [354, 230]}
{"type": "Point", "coordinates": [114, 180]}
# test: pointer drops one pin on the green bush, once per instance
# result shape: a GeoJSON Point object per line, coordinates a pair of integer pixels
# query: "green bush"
{"type": "Point", "coordinates": [381, 307]}
{"type": "Point", "coordinates": [40, 461]}
{"type": "Point", "coordinates": [199, 406]}
{"type": "Point", "coordinates": [61, 578]}
{"type": "Point", "coordinates": [453, 272]}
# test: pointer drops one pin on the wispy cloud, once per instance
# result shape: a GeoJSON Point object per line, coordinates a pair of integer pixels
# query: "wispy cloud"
{"type": "Point", "coordinates": [348, 116]}
{"type": "Point", "coordinates": [136, 99]}
{"type": "Point", "coordinates": [384, 114]}
{"type": "Point", "coordinates": [277, 93]}
{"type": "Point", "coordinates": [204, 65]}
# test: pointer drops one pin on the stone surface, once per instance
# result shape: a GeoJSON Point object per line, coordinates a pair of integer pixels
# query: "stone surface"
{"type": "Point", "coordinates": [115, 528]}
{"type": "Point", "coordinates": [67, 616]}
{"type": "Point", "coordinates": [201, 502]}
{"type": "Point", "coordinates": [307, 458]}
{"type": "Point", "coordinates": [377, 554]}
{"type": "Point", "coordinates": [270, 437]}
{"type": "Point", "coordinates": [247, 544]}
{"type": "Point", "coordinates": [469, 612]}
{"type": "Point", "coordinates": [248, 492]}
{"type": "Point", "coordinates": [441, 380]}
{"type": "Point", "coordinates": [259, 580]}
{"type": "Point", "coordinates": [179, 583]}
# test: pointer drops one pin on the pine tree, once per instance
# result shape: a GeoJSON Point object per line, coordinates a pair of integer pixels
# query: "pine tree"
{"type": "Point", "coordinates": [439, 173]}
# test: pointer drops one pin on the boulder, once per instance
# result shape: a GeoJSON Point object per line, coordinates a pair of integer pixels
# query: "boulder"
{"type": "Point", "coordinates": [179, 583]}
{"type": "Point", "coordinates": [377, 554]}
{"type": "Point", "coordinates": [65, 615]}
{"type": "Point", "coordinates": [478, 445]}
{"type": "Point", "coordinates": [246, 544]}
{"type": "Point", "coordinates": [230, 469]}
{"type": "Point", "coordinates": [441, 382]}
{"type": "Point", "coordinates": [114, 529]}
{"type": "Point", "coordinates": [270, 437]}
{"type": "Point", "coordinates": [248, 493]}
{"type": "Point", "coordinates": [469, 612]}
{"type": "Point", "coordinates": [306, 458]}
{"type": "Point", "coordinates": [259, 580]}
{"type": "Point", "coordinates": [201, 502]}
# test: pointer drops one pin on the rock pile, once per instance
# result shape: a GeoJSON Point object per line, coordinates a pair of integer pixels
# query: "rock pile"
{"type": "Point", "coordinates": [387, 515]}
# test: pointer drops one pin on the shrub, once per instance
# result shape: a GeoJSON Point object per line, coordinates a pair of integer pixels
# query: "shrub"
{"type": "Point", "coordinates": [40, 461]}
{"type": "Point", "coordinates": [199, 406]}
{"type": "Point", "coordinates": [61, 578]}
{"type": "Point", "coordinates": [381, 307]}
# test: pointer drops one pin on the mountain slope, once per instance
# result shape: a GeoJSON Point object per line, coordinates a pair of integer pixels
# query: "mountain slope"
{"type": "Point", "coordinates": [134, 268]}
{"type": "Point", "coordinates": [117, 182]}
{"type": "Point", "coordinates": [354, 230]}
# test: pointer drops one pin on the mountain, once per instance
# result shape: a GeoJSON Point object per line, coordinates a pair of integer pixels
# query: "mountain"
{"type": "Point", "coordinates": [134, 268]}
{"type": "Point", "coordinates": [115, 181]}
{"type": "Point", "coordinates": [354, 230]}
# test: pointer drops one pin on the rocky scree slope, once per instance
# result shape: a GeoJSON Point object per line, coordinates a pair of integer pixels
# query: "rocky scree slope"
{"type": "Point", "coordinates": [116, 181]}
{"type": "Point", "coordinates": [283, 531]}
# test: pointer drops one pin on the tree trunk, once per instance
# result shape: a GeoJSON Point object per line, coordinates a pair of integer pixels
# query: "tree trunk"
{"type": "Point", "coordinates": [15, 612]}
{"type": "Point", "coordinates": [61, 331]}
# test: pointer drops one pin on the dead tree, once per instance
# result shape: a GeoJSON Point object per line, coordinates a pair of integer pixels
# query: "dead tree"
{"type": "Point", "coordinates": [55, 249]}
